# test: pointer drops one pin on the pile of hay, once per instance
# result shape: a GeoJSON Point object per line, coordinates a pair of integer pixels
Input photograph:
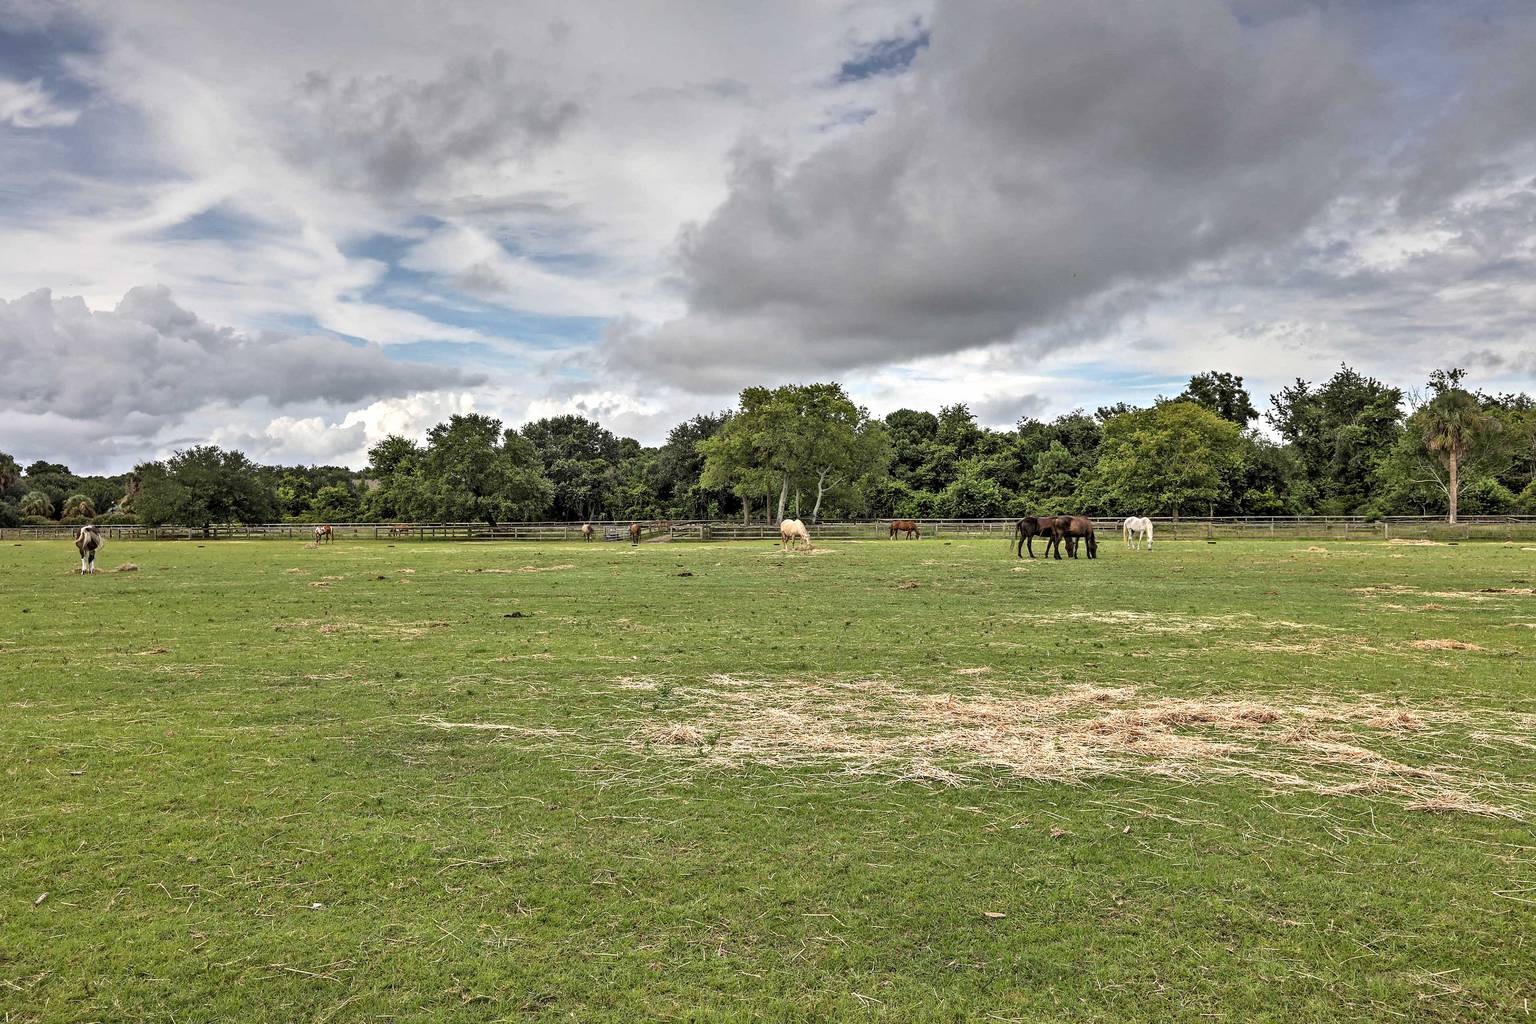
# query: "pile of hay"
{"type": "Point", "coordinates": [126, 567]}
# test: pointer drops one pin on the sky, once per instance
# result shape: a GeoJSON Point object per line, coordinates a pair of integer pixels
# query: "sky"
{"type": "Point", "coordinates": [298, 226]}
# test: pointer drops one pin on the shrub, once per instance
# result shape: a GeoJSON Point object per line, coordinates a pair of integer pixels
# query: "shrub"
{"type": "Point", "coordinates": [1486, 497]}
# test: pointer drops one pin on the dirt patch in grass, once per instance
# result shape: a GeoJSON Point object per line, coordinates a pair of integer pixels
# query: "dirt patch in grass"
{"type": "Point", "coordinates": [126, 567]}
{"type": "Point", "coordinates": [878, 728]}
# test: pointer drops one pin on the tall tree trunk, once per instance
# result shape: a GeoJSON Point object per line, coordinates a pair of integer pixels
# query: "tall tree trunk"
{"type": "Point", "coordinates": [783, 497]}
{"type": "Point", "coordinates": [1455, 486]}
{"type": "Point", "coordinates": [821, 482]}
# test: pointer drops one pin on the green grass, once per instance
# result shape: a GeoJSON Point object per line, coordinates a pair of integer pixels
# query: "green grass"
{"type": "Point", "coordinates": [234, 786]}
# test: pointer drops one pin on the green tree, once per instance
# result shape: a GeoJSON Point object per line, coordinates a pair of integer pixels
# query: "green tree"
{"type": "Point", "coordinates": [578, 456]}
{"type": "Point", "coordinates": [10, 473]}
{"type": "Point", "coordinates": [202, 485]}
{"type": "Point", "coordinates": [334, 504]}
{"type": "Point", "coordinates": [1172, 458]}
{"type": "Point", "coordinates": [37, 503]}
{"type": "Point", "coordinates": [797, 438]}
{"type": "Point", "coordinates": [1450, 441]}
{"type": "Point", "coordinates": [472, 470]}
{"type": "Point", "coordinates": [1340, 433]}
{"type": "Point", "coordinates": [1222, 394]}
{"type": "Point", "coordinates": [679, 466]}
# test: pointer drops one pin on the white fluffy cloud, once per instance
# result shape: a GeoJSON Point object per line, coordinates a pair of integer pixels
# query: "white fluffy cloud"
{"type": "Point", "coordinates": [133, 373]}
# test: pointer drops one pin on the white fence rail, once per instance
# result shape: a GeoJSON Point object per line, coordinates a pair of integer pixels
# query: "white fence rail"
{"type": "Point", "coordinates": [1338, 528]}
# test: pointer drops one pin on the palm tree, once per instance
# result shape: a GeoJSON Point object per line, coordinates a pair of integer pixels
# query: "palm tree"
{"type": "Point", "coordinates": [79, 505]}
{"type": "Point", "coordinates": [1454, 423]}
{"type": "Point", "coordinates": [37, 503]}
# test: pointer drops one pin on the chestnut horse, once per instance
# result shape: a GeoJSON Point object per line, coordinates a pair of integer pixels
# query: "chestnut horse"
{"type": "Point", "coordinates": [907, 526]}
{"type": "Point", "coordinates": [634, 533]}
{"type": "Point", "coordinates": [324, 533]}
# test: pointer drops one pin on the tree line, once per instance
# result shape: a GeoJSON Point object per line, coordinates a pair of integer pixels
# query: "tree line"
{"type": "Point", "coordinates": [1350, 445]}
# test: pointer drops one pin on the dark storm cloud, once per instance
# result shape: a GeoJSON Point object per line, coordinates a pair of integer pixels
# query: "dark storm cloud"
{"type": "Point", "coordinates": [149, 362]}
{"type": "Point", "coordinates": [1047, 155]}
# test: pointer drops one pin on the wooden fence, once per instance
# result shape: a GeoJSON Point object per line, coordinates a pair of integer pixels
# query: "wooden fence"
{"type": "Point", "coordinates": [1335, 528]}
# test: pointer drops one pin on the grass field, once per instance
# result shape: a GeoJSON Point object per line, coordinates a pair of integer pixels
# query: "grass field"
{"type": "Point", "coordinates": [897, 781]}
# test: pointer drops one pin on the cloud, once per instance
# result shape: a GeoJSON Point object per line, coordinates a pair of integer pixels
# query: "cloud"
{"type": "Point", "coordinates": [389, 135]}
{"type": "Point", "coordinates": [29, 105]}
{"type": "Point", "coordinates": [1046, 155]}
{"type": "Point", "coordinates": [149, 362]}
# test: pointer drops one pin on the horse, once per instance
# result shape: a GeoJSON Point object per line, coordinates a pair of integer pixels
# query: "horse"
{"type": "Point", "coordinates": [1027, 529]}
{"type": "Point", "coordinates": [324, 533]}
{"type": "Point", "coordinates": [791, 532]}
{"type": "Point", "coordinates": [399, 530]}
{"type": "Point", "coordinates": [907, 526]}
{"type": "Point", "coordinates": [87, 542]}
{"type": "Point", "coordinates": [1137, 529]}
{"type": "Point", "coordinates": [634, 533]}
{"type": "Point", "coordinates": [1072, 528]}
{"type": "Point", "coordinates": [586, 531]}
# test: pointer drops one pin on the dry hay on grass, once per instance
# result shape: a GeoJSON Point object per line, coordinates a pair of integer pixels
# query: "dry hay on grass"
{"type": "Point", "coordinates": [801, 551]}
{"type": "Point", "coordinates": [311, 546]}
{"type": "Point", "coordinates": [126, 567]}
{"type": "Point", "coordinates": [1444, 645]}
{"type": "Point", "coordinates": [1399, 542]}
{"type": "Point", "coordinates": [876, 728]}
{"type": "Point", "coordinates": [525, 568]}
{"type": "Point", "coordinates": [384, 629]}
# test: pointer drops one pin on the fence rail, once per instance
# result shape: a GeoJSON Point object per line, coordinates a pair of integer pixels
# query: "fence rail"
{"type": "Point", "coordinates": [1337, 528]}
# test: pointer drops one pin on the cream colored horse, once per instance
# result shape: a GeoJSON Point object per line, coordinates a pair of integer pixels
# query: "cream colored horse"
{"type": "Point", "coordinates": [791, 532]}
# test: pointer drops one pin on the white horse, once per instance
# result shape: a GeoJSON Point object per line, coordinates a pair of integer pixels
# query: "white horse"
{"type": "Point", "coordinates": [87, 542]}
{"type": "Point", "coordinates": [1136, 529]}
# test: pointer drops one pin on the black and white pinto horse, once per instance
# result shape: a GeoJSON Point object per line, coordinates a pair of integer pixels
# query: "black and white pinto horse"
{"type": "Point", "coordinates": [87, 542]}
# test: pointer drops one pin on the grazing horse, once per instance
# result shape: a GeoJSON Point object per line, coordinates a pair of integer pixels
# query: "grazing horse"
{"type": "Point", "coordinates": [907, 526]}
{"type": "Point", "coordinates": [634, 533]}
{"type": "Point", "coordinates": [1137, 529]}
{"type": "Point", "coordinates": [586, 531]}
{"type": "Point", "coordinates": [87, 542]}
{"type": "Point", "coordinates": [1072, 528]}
{"type": "Point", "coordinates": [1027, 529]}
{"type": "Point", "coordinates": [324, 533]}
{"type": "Point", "coordinates": [399, 530]}
{"type": "Point", "coordinates": [791, 532]}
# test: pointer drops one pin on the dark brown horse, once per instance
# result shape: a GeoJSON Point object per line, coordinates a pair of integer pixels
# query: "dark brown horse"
{"type": "Point", "coordinates": [1074, 528]}
{"type": "Point", "coordinates": [907, 526]}
{"type": "Point", "coordinates": [1027, 529]}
